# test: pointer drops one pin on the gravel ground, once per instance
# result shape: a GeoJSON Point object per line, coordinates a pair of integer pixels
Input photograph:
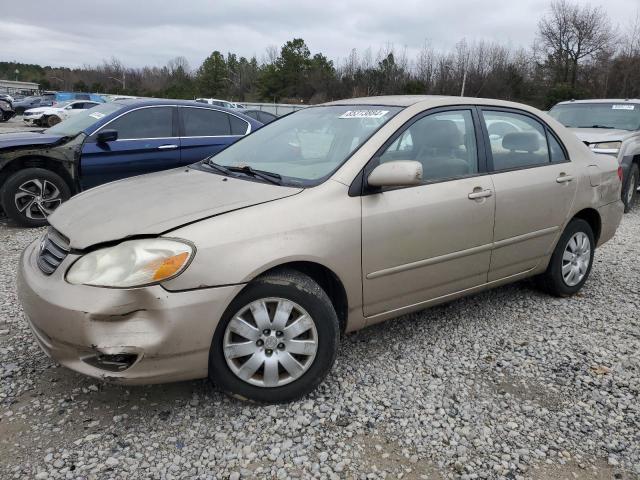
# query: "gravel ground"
{"type": "Point", "coordinates": [16, 125]}
{"type": "Point", "coordinates": [507, 384]}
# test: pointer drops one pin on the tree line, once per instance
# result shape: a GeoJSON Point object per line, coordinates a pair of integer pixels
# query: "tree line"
{"type": "Point", "coordinates": [577, 53]}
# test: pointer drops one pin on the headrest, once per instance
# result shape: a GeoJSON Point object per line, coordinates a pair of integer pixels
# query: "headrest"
{"type": "Point", "coordinates": [438, 134]}
{"type": "Point", "coordinates": [522, 141]}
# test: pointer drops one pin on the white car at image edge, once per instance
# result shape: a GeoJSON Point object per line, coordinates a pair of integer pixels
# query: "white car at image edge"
{"type": "Point", "coordinates": [49, 116]}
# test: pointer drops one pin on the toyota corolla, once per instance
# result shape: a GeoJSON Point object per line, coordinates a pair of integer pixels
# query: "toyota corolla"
{"type": "Point", "coordinates": [249, 266]}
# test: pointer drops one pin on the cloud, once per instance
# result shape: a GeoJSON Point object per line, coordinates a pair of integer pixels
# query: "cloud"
{"type": "Point", "coordinates": [150, 32]}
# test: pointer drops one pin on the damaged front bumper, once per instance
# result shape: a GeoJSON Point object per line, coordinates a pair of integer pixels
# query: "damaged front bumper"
{"type": "Point", "coordinates": [133, 336]}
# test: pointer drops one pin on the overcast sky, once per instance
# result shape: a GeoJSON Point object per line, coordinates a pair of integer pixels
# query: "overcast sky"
{"type": "Point", "coordinates": [150, 32]}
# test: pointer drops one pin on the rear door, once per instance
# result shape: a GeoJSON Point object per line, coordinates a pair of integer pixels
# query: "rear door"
{"type": "Point", "coordinates": [147, 142]}
{"type": "Point", "coordinates": [206, 131]}
{"type": "Point", "coordinates": [535, 184]}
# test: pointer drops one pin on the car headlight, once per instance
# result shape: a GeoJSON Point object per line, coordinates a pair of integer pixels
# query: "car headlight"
{"type": "Point", "coordinates": [606, 147]}
{"type": "Point", "coordinates": [134, 263]}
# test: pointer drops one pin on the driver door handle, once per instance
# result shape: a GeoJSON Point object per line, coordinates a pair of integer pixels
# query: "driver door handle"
{"type": "Point", "coordinates": [167, 147]}
{"type": "Point", "coordinates": [480, 194]}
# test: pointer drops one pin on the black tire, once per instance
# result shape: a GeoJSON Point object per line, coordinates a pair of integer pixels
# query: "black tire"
{"type": "Point", "coordinates": [50, 121]}
{"type": "Point", "coordinates": [552, 280]}
{"type": "Point", "coordinates": [303, 290]}
{"type": "Point", "coordinates": [11, 188]}
{"type": "Point", "coordinates": [630, 190]}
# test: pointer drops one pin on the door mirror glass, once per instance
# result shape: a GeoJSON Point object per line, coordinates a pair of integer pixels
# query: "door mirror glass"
{"type": "Point", "coordinates": [107, 136]}
{"type": "Point", "coordinates": [397, 173]}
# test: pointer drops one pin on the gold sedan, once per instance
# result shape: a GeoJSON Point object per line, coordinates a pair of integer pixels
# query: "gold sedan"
{"type": "Point", "coordinates": [247, 267]}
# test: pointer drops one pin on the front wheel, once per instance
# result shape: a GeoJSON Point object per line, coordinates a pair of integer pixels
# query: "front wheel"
{"type": "Point", "coordinates": [276, 341]}
{"type": "Point", "coordinates": [29, 196]}
{"type": "Point", "coordinates": [630, 190]}
{"type": "Point", "coordinates": [571, 261]}
{"type": "Point", "coordinates": [52, 120]}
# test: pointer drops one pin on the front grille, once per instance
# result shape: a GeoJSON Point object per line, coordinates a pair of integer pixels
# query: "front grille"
{"type": "Point", "coordinates": [53, 250]}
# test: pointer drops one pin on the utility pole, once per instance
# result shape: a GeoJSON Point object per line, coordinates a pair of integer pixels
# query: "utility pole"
{"type": "Point", "coordinates": [464, 81]}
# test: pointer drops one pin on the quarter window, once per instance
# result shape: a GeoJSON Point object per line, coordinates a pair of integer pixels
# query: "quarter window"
{"type": "Point", "coordinates": [555, 149]}
{"type": "Point", "coordinates": [444, 143]}
{"type": "Point", "coordinates": [152, 122]}
{"type": "Point", "coordinates": [204, 122]}
{"type": "Point", "coordinates": [238, 126]}
{"type": "Point", "coordinates": [517, 141]}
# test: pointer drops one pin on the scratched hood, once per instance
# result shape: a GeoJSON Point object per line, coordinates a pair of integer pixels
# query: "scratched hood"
{"type": "Point", "coordinates": [156, 203]}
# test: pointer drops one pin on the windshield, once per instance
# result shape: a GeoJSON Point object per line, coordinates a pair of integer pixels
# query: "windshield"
{"type": "Point", "coordinates": [623, 115]}
{"type": "Point", "coordinates": [62, 104]}
{"type": "Point", "coordinates": [83, 120]}
{"type": "Point", "coordinates": [306, 146]}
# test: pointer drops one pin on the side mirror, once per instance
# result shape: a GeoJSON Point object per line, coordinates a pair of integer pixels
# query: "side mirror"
{"type": "Point", "coordinates": [397, 173]}
{"type": "Point", "coordinates": [107, 136]}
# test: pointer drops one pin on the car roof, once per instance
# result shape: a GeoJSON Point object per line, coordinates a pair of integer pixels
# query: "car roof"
{"type": "Point", "coordinates": [601, 100]}
{"type": "Point", "coordinates": [137, 102]}
{"type": "Point", "coordinates": [428, 101]}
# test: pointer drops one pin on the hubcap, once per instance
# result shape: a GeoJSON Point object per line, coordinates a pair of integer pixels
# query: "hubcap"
{"type": "Point", "coordinates": [576, 259]}
{"type": "Point", "coordinates": [270, 342]}
{"type": "Point", "coordinates": [37, 198]}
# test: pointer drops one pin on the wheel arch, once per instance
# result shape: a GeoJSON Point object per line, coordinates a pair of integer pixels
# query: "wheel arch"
{"type": "Point", "coordinates": [592, 217]}
{"type": "Point", "coordinates": [328, 281]}
{"type": "Point", "coordinates": [32, 161]}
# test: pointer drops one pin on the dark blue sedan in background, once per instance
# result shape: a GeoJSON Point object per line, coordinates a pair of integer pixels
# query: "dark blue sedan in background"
{"type": "Point", "coordinates": [40, 170]}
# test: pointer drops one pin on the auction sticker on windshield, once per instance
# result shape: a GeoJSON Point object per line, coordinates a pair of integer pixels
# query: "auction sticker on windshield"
{"type": "Point", "coordinates": [97, 115]}
{"type": "Point", "coordinates": [364, 114]}
{"type": "Point", "coordinates": [623, 107]}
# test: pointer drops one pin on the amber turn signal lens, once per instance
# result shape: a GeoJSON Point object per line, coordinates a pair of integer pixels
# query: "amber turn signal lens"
{"type": "Point", "coordinates": [170, 266]}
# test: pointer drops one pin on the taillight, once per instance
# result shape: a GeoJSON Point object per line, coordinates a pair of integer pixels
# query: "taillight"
{"type": "Point", "coordinates": [620, 173]}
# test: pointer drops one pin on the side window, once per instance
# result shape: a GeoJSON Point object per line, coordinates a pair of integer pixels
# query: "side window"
{"type": "Point", "coordinates": [204, 122]}
{"type": "Point", "coordinates": [445, 144]}
{"type": "Point", "coordinates": [238, 126]}
{"type": "Point", "coordinates": [152, 122]}
{"type": "Point", "coordinates": [78, 106]}
{"type": "Point", "coordinates": [517, 141]}
{"type": "Point", "coordinates": [555, 149]}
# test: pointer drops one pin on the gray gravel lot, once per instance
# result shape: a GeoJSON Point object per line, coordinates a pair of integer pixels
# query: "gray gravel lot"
{"type": "Point", "coordinates": [16, 124]}
{"type": "Point", "coordinates": [509, 384]}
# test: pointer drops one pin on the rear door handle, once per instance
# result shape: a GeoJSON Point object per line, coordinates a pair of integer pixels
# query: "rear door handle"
{"type": "Point", "coordinates": [167, 147]}
{"type": "Point", "coordinates": [564, 178]}
{"type": "Point", "coordinates": [480, 194]}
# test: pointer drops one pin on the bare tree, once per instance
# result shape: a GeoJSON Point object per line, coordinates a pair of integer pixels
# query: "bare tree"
{"type": "Point", "coordinates": [426, 66]}
{"type": "Point", "coordinates": [570, 34]}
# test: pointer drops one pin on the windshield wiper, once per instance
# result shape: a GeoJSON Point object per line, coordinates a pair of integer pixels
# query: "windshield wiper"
{"type": "Point", "coordinates": [271, 177]}
{"type": "Point", "coordinates": [220, 168]}
{"type": "Point", "coordinates": [596, 126]}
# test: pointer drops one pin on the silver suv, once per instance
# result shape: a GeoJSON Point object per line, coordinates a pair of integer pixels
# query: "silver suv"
{"type": "Point", "coordinates": [610, 127]}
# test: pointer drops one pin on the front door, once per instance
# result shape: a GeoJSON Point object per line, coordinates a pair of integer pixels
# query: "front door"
{"type": "Point", "coordinates": [147, 142]}
{"type": "Point", "coordinates": [427, 241]}
{"type": "Point", "coordinates": [535, 185]}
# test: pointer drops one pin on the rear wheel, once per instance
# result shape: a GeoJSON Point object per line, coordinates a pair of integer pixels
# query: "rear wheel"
{"type": "Point", "coordinates": [277, 340]}
{"type": "Point", "coordinates": [571, 261]}
{"type": "Point", "coordinates": [29, 196]}
{"type": "Point", "coordinates": [630, 191]}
